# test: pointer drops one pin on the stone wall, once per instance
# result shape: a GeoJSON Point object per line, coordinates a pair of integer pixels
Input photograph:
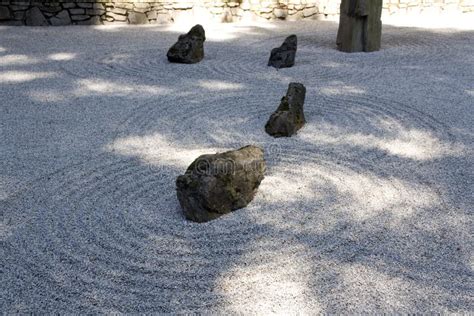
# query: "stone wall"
{"type": "Point", "coordinates": [95, 12]}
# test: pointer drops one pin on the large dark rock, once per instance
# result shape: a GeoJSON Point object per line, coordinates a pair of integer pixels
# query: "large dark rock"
{"type": "Point", "coordinates": [34, 17]}
{"type": "Point", "coordinates": [217, 184]}
{"type": "Point", "coordinates": [284, 56]}
{"type": "Point", "coordinates": [360, 26]}
{"type": "Point", "coordinates": [190, 47]}
{"type": "Point", "coordinates": [289, 117]}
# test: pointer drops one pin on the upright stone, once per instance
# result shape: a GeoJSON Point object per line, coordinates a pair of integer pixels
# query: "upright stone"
{"type": "Point", "coordinates": [216, 184]}
{"type": "Point", "coordinates": [284, 56]}
{"type": "Point", "coordinates": [360, 26]}
{"type": "Point", "coordinates": [289, 116]}
{"type": "Point", "coordinates": [190, 47]}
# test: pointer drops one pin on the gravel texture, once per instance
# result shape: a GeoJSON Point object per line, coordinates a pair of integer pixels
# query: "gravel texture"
{"type": "Point", "coordinates": [367, 209]}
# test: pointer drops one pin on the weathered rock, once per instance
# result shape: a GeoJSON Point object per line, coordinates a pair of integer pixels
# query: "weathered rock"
{"type": "Point", "coordinates": [217, 184]}
{"type": "Point", "coordinates": [190, 47]}
{"type": "Point", "coordinates": [360, 26]}
{"type": "Point", "coordinates": [5, 13]}
{"type": "Point", "coordinates": [289, 117]}
{"type": "Point", "coordinates": [137, 18]}
{"type": "Point", "coordinates": [284, 56]}
{"type": "Point", "coordinates": [62, 18]}
{"type": "Point", "coordinates": [34, 17]}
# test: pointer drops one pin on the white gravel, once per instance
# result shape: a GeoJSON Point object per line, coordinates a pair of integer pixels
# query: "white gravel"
{"type": "Point", "coordinates": [368, 209]}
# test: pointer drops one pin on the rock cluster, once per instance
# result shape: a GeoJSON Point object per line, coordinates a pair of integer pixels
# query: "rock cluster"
{"type": "Point", "coordinates": [284, 56]}
{"type": "Point", "coordinates": [217, 184]}
{"type": "Point", "coordinates": [189, 49]}
{"type": "Point", "coordinates": [289, 116]}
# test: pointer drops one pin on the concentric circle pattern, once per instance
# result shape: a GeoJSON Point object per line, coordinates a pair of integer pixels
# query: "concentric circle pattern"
{"type": "Point", "coordinates": [357, 213]}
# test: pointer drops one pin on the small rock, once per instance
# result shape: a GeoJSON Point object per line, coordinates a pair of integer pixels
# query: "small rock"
{"type": "Point", "coordinates": [217, 184]}
{"type": "Point", "coordinates": [190, 47]}
{"type": "Point", "coordinates": [34, 17]}
{"type": "Point", "coordinates": [284, 56]}
{"type": "Point", "coordinates": [289, 117]}
{"type": "Point", "coordinates": [137, 18]}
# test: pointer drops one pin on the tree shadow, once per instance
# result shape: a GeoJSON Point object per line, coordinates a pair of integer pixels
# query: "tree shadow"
{"type": "Point", "coordinates": [367, 209]}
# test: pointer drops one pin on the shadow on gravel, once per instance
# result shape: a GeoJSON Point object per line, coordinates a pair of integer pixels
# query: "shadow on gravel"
{"type": "Point", "coordinates": [367, 209]}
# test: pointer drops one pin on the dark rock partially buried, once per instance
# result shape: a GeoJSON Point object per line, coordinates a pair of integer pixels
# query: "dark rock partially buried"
{"type": "Point", "coordinates": [289, 117]}
{"type": "Point", "coordinates": [189, 48]}
{"type": "Point", "coordinates": [284, 56]}
{"type": "Point", "coordinates": [217, 184]}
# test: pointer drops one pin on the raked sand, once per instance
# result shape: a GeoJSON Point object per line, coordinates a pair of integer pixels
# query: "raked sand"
{"type": "Point", "coordinates": [368, 209]}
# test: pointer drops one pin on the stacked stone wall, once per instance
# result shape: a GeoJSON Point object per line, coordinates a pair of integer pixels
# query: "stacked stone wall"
{"type": "Point", "coordinates": [97, 12]}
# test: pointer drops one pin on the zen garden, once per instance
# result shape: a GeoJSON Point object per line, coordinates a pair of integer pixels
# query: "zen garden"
{"type": "Point", "coordinates": [236, 157]}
